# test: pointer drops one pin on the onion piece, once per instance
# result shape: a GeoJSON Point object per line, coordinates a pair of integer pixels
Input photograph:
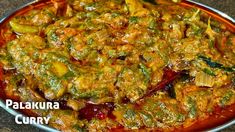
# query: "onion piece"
{"type": "Point", "coordinates": [203, 79]}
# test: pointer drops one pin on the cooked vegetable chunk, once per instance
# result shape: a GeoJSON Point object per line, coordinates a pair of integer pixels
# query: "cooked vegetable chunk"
{"type": "Point", "coordinates": [130, 64]}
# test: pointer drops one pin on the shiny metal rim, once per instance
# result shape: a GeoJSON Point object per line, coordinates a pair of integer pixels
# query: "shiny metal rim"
{"type": "Point", "coordinates": [214, 10]}
{"type": "Point", "coordinates": [47, 128]}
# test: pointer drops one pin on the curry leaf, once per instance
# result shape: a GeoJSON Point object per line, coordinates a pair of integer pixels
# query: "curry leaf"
{"type": "Point", "coordinates": [214, 64]}
{"type": "Point", "coordinates": [151, 1]}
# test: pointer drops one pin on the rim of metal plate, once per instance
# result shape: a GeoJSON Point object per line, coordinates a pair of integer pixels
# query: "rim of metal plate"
{"type": "Point", "coordinates": [224, 15]}
{"type": "Point", "coordinates": [47, 128]}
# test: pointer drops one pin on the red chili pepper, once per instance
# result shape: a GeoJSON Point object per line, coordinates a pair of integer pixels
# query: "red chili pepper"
{"type": "Point", "coordinates": [100, 111]}
{"type": "Point", "coordinates": [168, 76]}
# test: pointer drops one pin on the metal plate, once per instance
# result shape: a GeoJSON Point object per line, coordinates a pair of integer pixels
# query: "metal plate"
{"type": "Point", "coordinates": [47, 128]}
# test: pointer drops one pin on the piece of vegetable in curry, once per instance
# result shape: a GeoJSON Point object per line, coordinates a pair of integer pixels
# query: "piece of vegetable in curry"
{"type": "Point", "coordinates": [100, 58]}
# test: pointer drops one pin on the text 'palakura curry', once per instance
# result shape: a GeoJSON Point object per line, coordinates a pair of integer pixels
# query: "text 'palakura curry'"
{"type": "Point", "coordinates": [131, 64]}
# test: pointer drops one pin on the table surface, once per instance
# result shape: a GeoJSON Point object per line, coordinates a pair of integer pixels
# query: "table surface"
{"type": "Point", "coordinates": [7, 123]}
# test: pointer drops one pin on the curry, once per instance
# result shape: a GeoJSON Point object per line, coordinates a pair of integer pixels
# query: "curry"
{"type": "Point", "coordinates": [130, 64]}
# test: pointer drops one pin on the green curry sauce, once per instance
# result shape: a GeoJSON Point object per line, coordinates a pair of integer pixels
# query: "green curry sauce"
{"type": "Point", "coordinates": [109, 62]}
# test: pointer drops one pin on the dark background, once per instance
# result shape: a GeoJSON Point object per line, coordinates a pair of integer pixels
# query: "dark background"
{"type": "Point", "coordinates": [7, 123]}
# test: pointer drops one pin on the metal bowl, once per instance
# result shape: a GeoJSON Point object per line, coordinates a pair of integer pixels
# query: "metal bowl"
{"type": "Point", "coordinates": [190, 2]}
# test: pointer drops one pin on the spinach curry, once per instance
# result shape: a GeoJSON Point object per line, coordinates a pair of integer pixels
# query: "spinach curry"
{"type": "Point", "coordinates": [131, 64]}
